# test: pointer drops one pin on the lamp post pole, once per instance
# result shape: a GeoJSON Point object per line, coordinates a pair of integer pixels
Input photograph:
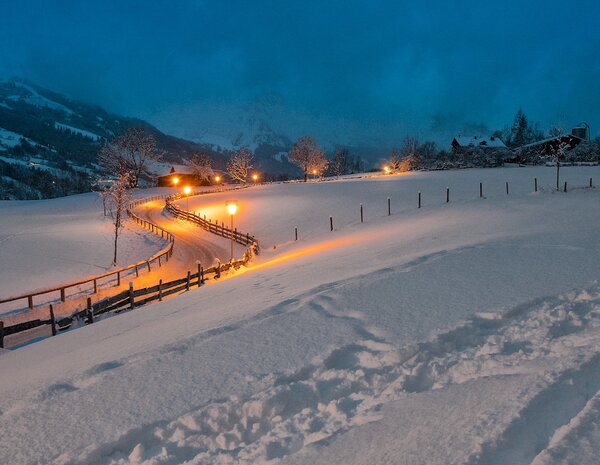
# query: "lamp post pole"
{"type": "Point", "coordinates": [231, 209]}
{"type": "Point", "coordinates": [231, 238]}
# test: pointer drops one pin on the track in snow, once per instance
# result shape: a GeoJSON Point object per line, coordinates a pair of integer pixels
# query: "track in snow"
{"type": "Point", "coordinates": [192, 244]}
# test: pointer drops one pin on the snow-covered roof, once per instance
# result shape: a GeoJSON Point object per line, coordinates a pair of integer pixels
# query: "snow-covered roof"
{"type": "Point", "coordinates": [550, 139]}
{"type": "Point", "coordinates": [478, 141]}
{"type": "Point", "coordinates": [165, 169]}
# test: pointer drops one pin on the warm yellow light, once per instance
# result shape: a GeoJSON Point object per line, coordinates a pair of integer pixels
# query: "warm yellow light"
{"type": "Point", "coordinates": [314, 171]}
{"type": "Point", "coordinates": [217, 178]}
{"type": "Point", "coordinates": [231, 207]}
{"type": "Point", "coordinates": [187, 190]}
{"type": "Point", "coordinates": [255, 177]}
{"type": "Point", "coordinates": [175, 180]}
{"type": "Point", "coordinates": [386, 169]}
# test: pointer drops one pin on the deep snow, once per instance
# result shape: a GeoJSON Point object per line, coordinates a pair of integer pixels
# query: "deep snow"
{"type": "Point", "coordinates": [44, 243]}
{"type": "Point", "coordinates": [461, 333]}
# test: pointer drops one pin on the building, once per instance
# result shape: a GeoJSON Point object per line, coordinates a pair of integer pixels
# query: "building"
{"type": "Point", "coordinates": [550, 145]}
{"type": "Point", "coordinates": [178, 175]}
{"type": "Point", "coordinates": [185, 177]}
{"type": "Point", "coordinates": [468, 143]}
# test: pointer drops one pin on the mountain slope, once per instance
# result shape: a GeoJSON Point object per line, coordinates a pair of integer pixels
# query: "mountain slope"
{"type": "Point", "coordinates": [48, 143]}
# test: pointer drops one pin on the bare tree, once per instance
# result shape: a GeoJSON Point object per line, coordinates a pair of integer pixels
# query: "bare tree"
{"type": "Point", "coordinates": [116, 197]}
{"type": "Point", "coordinates": [308, 156]}
{"type": "Point", "coordinates": [129, 153]}
{"type": "Point", "coordinates": [201, 165]}
{"type": "Point", "coordinates": [558, 152]}
{"type": "Point", "coordinates": [395, 159]}
{"type": "Point", "coordinates": [239, 164]}
{"type": "Point", "coordinates": [339, 162]}
{"type": "Point", "coordinates": [409, 153]}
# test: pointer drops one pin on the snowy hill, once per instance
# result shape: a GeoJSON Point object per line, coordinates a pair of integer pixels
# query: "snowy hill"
{"type": "Point", "coordinates": [49, 143]}
{"type": "Point", "coordinates": [459, 333]}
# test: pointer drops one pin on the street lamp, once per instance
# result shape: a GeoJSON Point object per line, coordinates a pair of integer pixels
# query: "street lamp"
{"type": "Point", "coordinates": [314, 175]}
{"type": "Point", "coordinates": [255, 177]}
{"type": "Point", "coordinates": [175, 180]}
{"type": "Point", "coordinates": [187, 190]}
{"type": "Point", "coordinates": [386, 169]}
{"type": "Point", "coordinates": [217, 179]}
{"type": "Point", "coordinates": [232, 207]}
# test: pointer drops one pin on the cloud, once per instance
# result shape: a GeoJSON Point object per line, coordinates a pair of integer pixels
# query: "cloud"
{"type": "Point", "coordinates": [343, 70]}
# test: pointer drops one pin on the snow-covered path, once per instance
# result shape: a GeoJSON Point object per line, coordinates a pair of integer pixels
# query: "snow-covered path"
{"type": "Point", "coordinates": [192, 244]}
{"type": "Point", "coordinates": [458, 334]}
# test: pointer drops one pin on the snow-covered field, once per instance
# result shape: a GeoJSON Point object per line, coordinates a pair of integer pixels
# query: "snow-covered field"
{"type": "Point", "coordinates": [460, 333]}
{"type": "Point", "coordinates": [45, 243]}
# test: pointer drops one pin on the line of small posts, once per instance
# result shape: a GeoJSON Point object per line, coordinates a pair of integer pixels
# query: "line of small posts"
{"type": "Point", "coordinates": [419, 202]}
{"type": "Point", "coordinates": [88, 317]}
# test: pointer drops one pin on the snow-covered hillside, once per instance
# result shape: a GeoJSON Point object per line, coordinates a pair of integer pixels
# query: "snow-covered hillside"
{"type": "Point", "coordinates": [49, 143]}
{"type": "Point", "coordinates": [45, 243]}
{"type": "Point", "coordinates": [459, 333]}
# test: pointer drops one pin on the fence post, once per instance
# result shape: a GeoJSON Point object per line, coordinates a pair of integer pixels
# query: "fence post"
{"type": "Point", "coordinates": [137, 272]}
{"type": "Point", "coordinates": [565, 186]}
{"type": "Point", "coordinates": [30, 301]}
{"type": "Point", "coordinates": [591, 183]}
{"type": "Point", "coordinates": [389, 206]}
{"type": "Point", "coordinates": [52, 320]}
{"type": "Point", "coordinates": [131, 302]}
{"type": "Point", "coordinates": [149, 269]}
{"type": "Point", "coordinates": [1, 334]}
{"type": "Point", "coordinates": [90, 312]}
{"type": "Point", "coordinates": [480, 190]}
{"type": "Point", "coordinates": [506, 187]}
{"type": "Point", "coordinates": [95, 287]}
{"type": "Point", "coordinates": [331, 223]}
{"type": "Point", "coordinates": [62, 294]}
{"type": "Point", "coordinates": [419, 200]}
{"type": "Point", "coordinates": [447, 194]}
{"type": "Point", "coordinates": [535, 184]}
{"type": "Point", "coordinates": [160, 290]}
{"type": "Point", "coordinates": [118, 278]}
{"type": "Point", "coordinates": [296, 233]}
{"type": "Point", "coordinates": [200, 274]}
{"type": "Point", "coordinates": [218, 272]}
{"type": "Point", "coordinates": [187, 284]}
{"type": "Point", "coordinates": [159, 263]}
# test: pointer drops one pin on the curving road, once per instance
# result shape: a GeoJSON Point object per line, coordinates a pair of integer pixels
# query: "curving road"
{"type": "Point", "coordinates": [192, 243]}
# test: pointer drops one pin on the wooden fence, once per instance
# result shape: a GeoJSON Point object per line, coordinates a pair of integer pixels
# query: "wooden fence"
{"type": "Point", "coordinates": [127, 299]}
{"type": "Point", "coordinates": [132, 298]}
{"type": "Point", "coordinates": [95, 281]}
{"type": "Point", "coordinates": [215, 228]}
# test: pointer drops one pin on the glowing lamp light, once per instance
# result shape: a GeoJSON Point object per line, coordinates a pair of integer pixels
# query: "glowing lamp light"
{"type": "Point", "coordinates": [217, 179]}
{"type": "Point", "coordinates": [386, 169]}
{"type": "Point", "coordinates": [175, 180]}
{"type": "Point", "coordinates": [187, 190]}
{"type": "Point", "coordinates": [255, 177]}
{"type": "Point", "coordinates": [315, 172]}
{"type": "Point", "coordinates": [232, 207]}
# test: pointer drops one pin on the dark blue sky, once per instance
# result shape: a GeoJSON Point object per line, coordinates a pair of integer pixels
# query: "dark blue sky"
{"type": "Point", "coordinates": [343, 70]}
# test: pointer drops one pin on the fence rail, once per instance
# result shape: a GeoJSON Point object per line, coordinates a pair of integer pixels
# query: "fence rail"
{"type": "Point", "coordinates": [127, 299]}
{"type": "Point", "coordinates": [132, 298]}
{"type": "Point", "coordinates": [164, 253]}
{"type": "Point", "coordinates": [214, 228]}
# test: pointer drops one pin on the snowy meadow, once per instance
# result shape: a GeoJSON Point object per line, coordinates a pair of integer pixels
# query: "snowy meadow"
{"type": "Point", "coordinates": [461, 332]}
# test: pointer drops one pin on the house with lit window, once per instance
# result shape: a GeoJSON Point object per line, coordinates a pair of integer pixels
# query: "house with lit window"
{"type": "Point", "coordinates": [183, 175]}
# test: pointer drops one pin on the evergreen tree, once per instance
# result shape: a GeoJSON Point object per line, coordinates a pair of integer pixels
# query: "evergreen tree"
{"type": "Point", "coordinates": [519, 130]}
